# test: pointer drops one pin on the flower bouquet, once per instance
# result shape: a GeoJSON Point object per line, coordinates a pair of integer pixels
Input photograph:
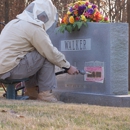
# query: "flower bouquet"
{"type": "Point", "coordinates": [78, 14]}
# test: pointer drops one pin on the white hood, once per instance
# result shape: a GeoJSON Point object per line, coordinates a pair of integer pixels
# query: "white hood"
{"type": "Point", "coordinates": [40, 12]}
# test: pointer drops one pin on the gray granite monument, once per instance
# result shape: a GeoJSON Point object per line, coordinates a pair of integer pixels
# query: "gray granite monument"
{"type": "Point", "coordinates": [100, 49]}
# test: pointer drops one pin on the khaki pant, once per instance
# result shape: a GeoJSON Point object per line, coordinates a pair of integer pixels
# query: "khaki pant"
{"type": "Point", "coordinates": [39, 70]}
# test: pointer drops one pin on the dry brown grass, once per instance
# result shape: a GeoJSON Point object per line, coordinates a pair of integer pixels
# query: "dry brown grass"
{"type": "Point", "coordinates": [35, 115]}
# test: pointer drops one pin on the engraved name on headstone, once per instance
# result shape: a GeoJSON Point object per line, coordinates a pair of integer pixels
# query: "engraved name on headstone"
{"type": "Point", "coordinates": [76, 45]}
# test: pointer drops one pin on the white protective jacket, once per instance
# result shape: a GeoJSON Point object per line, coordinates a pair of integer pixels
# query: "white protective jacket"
{"type": "Point", "coordinates": [28, 32]}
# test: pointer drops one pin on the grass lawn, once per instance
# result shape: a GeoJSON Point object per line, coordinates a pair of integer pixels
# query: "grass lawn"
{"type": "Point", "coordinates": [36, 115]}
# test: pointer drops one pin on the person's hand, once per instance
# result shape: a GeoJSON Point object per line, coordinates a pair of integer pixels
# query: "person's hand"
{"type": "Point", "coordinates": [73, 70]}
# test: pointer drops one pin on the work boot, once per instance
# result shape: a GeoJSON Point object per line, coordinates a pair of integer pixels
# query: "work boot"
{"type": "Point", "coordinates": [32, 92]}
{"type": "Point", "coordinates": [47, 96]}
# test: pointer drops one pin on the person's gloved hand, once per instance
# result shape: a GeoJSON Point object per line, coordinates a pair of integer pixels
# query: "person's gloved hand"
{"type": "Point", "coordinates": [72, 70]}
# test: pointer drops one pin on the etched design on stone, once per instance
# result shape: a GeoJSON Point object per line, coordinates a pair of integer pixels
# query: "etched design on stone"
{"type": "Point", "coordinates": [96, 69]}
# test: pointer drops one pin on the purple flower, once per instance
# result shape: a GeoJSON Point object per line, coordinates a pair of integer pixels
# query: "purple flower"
{"type": "Point", "coordinates": [71, 9]}
{"type": "Point", "coordinates": [81, 9]}
{"type": "Point", "coordinates": [94, 6]}
{"type": "Point", "coordinates": [90, 11]}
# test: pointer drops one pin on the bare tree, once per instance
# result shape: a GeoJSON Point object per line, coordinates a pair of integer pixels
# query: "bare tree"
{"type": "Point", "coordinates": [6, 11]}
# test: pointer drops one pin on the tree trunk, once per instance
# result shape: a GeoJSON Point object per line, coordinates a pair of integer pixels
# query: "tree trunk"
{"type": "Point", "coordinates": [6, 11]}
{"type": "Point", "coordinates": [128, 20]}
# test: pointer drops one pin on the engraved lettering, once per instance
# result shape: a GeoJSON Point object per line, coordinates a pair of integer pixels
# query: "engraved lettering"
{"type": "Point", "coordinates": [84, 44]}
{"type": "Point", "coordinates": [77, 48]}
{"type": "Point", "coordinates": [76, 45]}
{"type": "Point", "coordinates": [73, 45]}
{"type": "Point", "coordinates": [69, 45]}
{"type": "Point", "coordinates": [80, 44]}
{"type": "Point", "coordinates": [66, 45]}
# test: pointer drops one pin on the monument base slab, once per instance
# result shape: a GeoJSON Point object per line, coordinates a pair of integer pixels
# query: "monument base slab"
{"type": "Point", "coordinates": [93, 99]}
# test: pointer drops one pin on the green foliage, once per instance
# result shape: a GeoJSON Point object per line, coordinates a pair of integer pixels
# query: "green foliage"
{"type": "Point", "coordinates": [72, 27]}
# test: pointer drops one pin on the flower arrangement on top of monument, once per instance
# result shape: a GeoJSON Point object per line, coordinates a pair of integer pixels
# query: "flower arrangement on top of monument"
{"type": "Point", "coordinates": [78, 14]}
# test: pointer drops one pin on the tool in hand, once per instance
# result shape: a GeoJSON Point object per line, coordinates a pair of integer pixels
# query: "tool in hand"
{"type": "Point", "coordinates": [82, 72]}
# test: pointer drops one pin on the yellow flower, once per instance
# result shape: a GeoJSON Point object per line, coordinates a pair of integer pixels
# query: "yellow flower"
{"type": "Point", "coordinates": [89, 6]}
{"type": "Point", "coordinates": [71, 4]}
{"type": "Point", "coordinates": [83, 18]}
{"type": "Point", "coordinates": [80, 2]}
{"type": "Point", "coordinates": [83, 2]}
{"type": "Point", "coordinates": [68, 12]}
{"type": "Point", "coordinates": [71, 19]}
